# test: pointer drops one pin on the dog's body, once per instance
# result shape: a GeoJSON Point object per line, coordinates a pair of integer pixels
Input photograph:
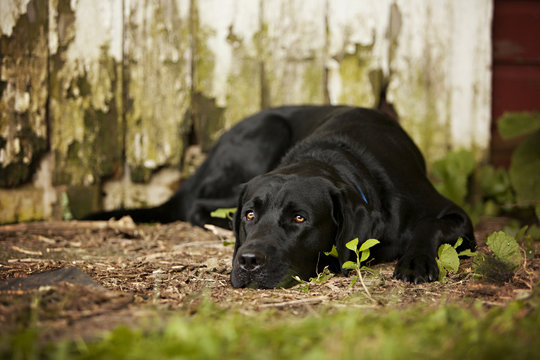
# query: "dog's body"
{"type": "Point", "coordinates": [317, 176]}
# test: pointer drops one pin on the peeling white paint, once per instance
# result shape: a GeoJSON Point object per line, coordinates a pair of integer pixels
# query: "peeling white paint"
{"type": "Point", "coordinates": [470, 74]}
{"type": "Point", "coordinates": [90, 45]}
{"type": "Point", "coordinates": [10, 12]}
{"type": "Point", "coordinates": [241, 17]}
{"type": "Point", "coordinates": [445, 43]}
{"type": "Point", "coordinates": [97, 24]}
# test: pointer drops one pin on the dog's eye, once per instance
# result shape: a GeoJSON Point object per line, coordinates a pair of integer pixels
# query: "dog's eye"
{"type": "Point", "coordinates": [250, 215]}
{"type": "Point", "coordinates": [299, 219]}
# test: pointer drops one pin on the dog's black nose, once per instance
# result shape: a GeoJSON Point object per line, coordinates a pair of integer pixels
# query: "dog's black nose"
{"type": "Point", "coordinates": [251, 261]}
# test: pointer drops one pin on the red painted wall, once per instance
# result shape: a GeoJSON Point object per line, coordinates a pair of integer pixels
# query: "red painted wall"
{"type": "Point", "coordinates": [516, 67]}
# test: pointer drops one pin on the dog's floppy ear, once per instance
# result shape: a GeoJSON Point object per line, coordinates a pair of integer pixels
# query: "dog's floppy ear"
{"type": "Point", "coordinates": [354, 218]}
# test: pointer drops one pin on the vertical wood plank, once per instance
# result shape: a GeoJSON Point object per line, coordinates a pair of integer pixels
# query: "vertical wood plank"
{"type": "Point", "coordinates": [23, 89]}
{"type": "Point", "coordinates": [231, 28]}
{"type": "Point", "coordinates": [292, 51]}
{"type": "Point", "coordinates": [85, 84]}
{"type": "Point", "coordinates": [157, 49]}
{"type": "Point", "coordinates": [357, 43]}
{"type": "Point", "coordinates": [23, 109]}
{"type": "Point", "coordinates": [441, 74]}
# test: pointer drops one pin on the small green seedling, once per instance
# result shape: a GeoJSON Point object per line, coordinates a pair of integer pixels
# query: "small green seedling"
{"type": "Point", "coordinates": [448, 258]}
{"type": "Point", "coordinates": [362, 254]}
{"type": "Point", "coordinates": [223, 213]}
{"type": "Point", "coordinates": [321, 277]}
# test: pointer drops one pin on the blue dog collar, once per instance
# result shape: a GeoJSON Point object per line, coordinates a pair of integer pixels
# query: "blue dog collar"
{"type": "Point", "coordinates": [362, 193]}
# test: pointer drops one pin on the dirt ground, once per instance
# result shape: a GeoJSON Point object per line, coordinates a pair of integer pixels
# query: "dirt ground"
{"type": "Point", "coordinates": [143, 271]}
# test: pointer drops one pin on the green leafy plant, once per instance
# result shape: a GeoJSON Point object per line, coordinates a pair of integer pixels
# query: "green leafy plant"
{"type": "Point", "coordinates": [321, 277]}
{"type": "Point", "coordinates": [448, 258]}
{"type": "Point", "coordinates": [223, 213]}
{"type": "Point", "coordinates": [496, 189]}
{"type": "Point", "coordinates": [524, 174]}
{"type": "Point", "coordinates": [362, 254]}
{"type": "Point", "coordinates": [506, 259]}
{"type": "Point", "coordinates": [527, 236]}
{"type": "Point", "coordinates": [506, 248]}
{"type": "Point", "coordinates": [452, 174]}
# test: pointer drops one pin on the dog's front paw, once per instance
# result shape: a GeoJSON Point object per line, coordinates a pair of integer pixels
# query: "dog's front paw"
{"type": "Point", "coordinates": [416, 268]}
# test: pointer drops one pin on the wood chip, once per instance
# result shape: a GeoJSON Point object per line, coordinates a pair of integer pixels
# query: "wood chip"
{"type": "Point", "coordinates": [25, 251]}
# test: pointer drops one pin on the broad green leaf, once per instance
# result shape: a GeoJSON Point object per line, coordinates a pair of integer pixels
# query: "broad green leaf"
{"type": "Point", "coordinates": [352, 245]}
{"type": "Point", "coordinates": [369, 244]}
{"type": "Point", "coordinates": [448, 257]}
{"type": "Point", "coordinates": [332, 252]}
{"type": "Point", "coordinates": [513, 124]}
{"type": "Point", "coordinates": [223, 213]}
{"type": "Point", "coordinates": [505, 247]}
{"type": "Point", "coordinates": [458, 242]}
{"type": "Point", "coordinates": [365, 255]}
{"type": "Point", "coordinates": [354, 280]}
{"type": "Point", "coordinates": [349, 265]}
{"type": "Point", "coordinates": [442, 270]}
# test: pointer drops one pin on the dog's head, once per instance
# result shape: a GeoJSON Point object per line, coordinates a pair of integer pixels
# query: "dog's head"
{"type": "Point", "coordinates": [285, 222]}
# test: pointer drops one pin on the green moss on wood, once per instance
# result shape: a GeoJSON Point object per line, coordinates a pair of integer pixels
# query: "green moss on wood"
{"type": "Point", "coordinates": [209, 122]}
{"type": "Point", "coordinates": [81, 200]}
{"type": "Point", "coordinates": [86, 126]}
{"type": "Point", "coordinates": [23, 65]}
{"type": "Point", "coordinates": [357, 86]}
{"type": "Point", "coordinates": [157, 93]}
{"type": "Point", "coordinates": [243, 88]}
{"type": "Point", "coordinates": [21, 204]}
{"type": "Point", "coordinates": [312, 81]}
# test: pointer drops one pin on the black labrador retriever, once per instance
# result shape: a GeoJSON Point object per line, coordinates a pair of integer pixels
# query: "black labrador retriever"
{"type": "Point", "coordinates": [307, 178]}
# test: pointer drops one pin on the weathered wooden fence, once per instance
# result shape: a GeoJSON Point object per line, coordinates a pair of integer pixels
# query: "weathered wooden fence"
{"type": "Point", "coordinates": [97, 96]}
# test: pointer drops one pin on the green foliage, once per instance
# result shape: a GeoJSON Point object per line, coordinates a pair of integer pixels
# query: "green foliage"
{"type": "Point", "coordinates": [525, 171]}
{"type": "Point", "coordinates": [362, 254]}
{"type": "Point", "coordinates": [332, 252]}
{"type": "Point", "coordinates": [448, 258]}
{"type": "Point", "coordinates": [452, 173]}
{"type": "Point", "coordinates": [525, 167]}
{"type": "Point", "coordinates": [518, 123]}
{"type": "Point", "coordinates": [499, 190]}
{"type": "Point", "coordinates": [506, 248]}
{"type": "Point", "coordinates": [506, 259]}
{"type": "Point", "coordinates": [321, 277]}
{"type": "Point", "coordinates": [223, 213]}
{"type": "Point", "coordinates": [496, 186]}
{"type": "Point", "coordinates": [446, 331]}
